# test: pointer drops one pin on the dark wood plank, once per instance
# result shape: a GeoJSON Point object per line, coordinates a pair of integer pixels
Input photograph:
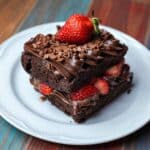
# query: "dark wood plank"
{"type": "Point", "coordinates": [138, 19]}
{"type": "Point", "coordinates": [10, 137]}
{"type": "Point", "coordinates": [12, 14]}
{"type": "Point", "coordinates": [129, 16]}
{"type": "Point", "coordinates": [142, 1]}
{"type": "Point", "coordinates": [51, 11]}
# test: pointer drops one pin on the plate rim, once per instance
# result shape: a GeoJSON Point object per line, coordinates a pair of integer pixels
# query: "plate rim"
{"type": "Point", "coordinates": [8, 119]}
{"type": "Point", "coordinates": [60, 141]}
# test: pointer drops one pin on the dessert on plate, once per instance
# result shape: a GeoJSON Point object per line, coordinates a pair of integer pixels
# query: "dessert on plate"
{"type": "Point", "coordinates": [79, 69]}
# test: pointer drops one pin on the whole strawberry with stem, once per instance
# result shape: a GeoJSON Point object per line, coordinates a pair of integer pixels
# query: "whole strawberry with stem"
{"type": "Point", "coordinates": [78, 29]}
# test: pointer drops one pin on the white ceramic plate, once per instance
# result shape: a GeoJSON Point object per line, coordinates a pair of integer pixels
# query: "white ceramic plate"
{"type": "Point", "coordinates": [20, 104]}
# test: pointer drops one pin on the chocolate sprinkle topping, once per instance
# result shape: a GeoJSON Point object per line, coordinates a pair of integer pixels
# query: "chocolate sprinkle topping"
{"type": "Point", "coordinates": [69, 58]}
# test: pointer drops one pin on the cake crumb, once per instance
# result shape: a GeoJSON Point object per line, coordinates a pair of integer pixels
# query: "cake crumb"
{"type": "Point", "coordinates": [43, 98]}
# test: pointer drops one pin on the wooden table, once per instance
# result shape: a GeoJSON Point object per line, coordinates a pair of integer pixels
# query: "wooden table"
{"type": "Point", "coordinates": [130, 16]}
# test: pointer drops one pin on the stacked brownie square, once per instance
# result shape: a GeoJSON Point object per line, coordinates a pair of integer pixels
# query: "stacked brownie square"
{"type": "Point", "coordinates": [78, 79]}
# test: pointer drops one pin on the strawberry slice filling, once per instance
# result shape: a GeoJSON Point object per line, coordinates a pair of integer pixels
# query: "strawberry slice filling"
{"type": "Point", "coordinates": [45, 89]}
{"type": "Point", "coordinates": [84, 92]}
{"type": "Point", "coordinates": [96, 86]}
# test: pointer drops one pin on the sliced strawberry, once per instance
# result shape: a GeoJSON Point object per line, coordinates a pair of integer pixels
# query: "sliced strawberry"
{"type": "Point", "coordinates": [102, 86]}
{"type": "Point", "coordinates": [45, 89]}
{"type": "Point", "coordinates": [115, 70]}
{"type": "Point", "coordinates": [84, 92]}
{"type": "Point", "coordinates": [93, 81]}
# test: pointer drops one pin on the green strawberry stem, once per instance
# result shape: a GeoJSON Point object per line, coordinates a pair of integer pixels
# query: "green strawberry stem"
{"type": "Point", "coordinates": [96, 22]}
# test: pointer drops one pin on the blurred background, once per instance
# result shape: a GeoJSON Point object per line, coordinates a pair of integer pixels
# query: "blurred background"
{"type": "Point", "coordinates": [129, 16]}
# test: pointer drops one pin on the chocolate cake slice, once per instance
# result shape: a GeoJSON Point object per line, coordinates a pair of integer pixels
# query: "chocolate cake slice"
{"type": "Point", "coordinates": [66, 67]}
{"type": "Point", "coordinates": [82, 109]}
{"type": "Point", "coordinates": [79, 69]}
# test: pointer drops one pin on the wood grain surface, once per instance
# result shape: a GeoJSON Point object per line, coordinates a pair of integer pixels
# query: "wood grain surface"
{"type": "Point", "coordinates": [129, 16]}
{"type": "Point", "coordinates": [12, 14]}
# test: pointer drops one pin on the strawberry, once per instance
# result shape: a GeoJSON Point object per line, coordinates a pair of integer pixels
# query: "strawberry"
{"type": "Point", "coordinates": [84, 92]}
{"type": "Point", "coordinates": [78, 29]}
{"type": "Point", "coordinates": [45, 89]}
{"type": "Point", "coordinates": [102, 86]}
{"type": "Point", "coordinates": [115, 70]}
{"type": "Point", "coordinates": [93, 80]}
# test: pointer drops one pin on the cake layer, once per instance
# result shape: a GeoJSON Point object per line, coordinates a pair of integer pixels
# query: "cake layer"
{"type": "Point", "coordinates": [83, 109]}
{"type": "Point", "coordinates": [67, 67]}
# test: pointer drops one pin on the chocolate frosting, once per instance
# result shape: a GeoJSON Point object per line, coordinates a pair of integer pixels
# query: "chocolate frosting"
{"type": "Point", "coordinates": [125, 77]}
{"type": "Point", "coordinates": [67, 59]}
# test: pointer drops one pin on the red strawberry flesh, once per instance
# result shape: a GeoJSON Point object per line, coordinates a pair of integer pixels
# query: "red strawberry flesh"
{"type": "Point", "coordinates": [102, 86]}
{"type": "Point", "coordinates": [45, 89]}
{"type": "Point", "coordinates": [115, 70]}
{"type": "Point", "coordinates": [84, 93]}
